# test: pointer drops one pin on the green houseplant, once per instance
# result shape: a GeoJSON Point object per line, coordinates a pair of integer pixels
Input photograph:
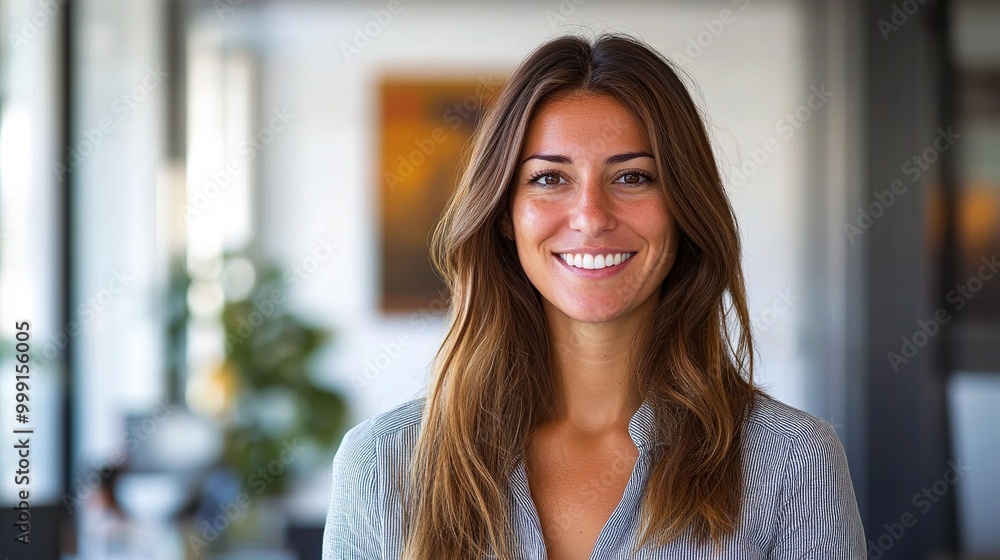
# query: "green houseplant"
{"type": "Point", "coordinates": [277, 405]}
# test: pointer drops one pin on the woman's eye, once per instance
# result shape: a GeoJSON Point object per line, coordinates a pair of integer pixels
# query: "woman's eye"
{"type": "Point", "coordinates": [633, 178]}
{"type": "Point", "coordinates": [546, 179]}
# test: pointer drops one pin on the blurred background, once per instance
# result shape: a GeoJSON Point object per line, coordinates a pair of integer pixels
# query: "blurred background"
{"type": "Point", "coordinates": [214, 220]}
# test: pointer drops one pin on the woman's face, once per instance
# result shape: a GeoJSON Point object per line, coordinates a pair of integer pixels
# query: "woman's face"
{"type": "Point", "coordinates": [589, 215]}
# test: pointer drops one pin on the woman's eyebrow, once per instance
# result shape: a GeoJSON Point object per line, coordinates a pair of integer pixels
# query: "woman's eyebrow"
{"type": "Point", "coordinates": [618, 158]}
{"type": "Point", "coordinates": [626, 156]}
{"type": "Point", "coordinates": [548, 157]}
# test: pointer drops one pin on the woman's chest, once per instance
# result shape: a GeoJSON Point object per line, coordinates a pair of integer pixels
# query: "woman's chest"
{"type": "Point", "coordinates": [576, 491]}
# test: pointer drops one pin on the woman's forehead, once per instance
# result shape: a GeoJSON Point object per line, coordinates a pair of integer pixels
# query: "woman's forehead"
{"type": "Point", "coordinates": [584, 125]}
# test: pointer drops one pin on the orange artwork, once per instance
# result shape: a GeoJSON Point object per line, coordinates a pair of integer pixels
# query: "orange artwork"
{"type": "Point", "coordinates": [426, 125]}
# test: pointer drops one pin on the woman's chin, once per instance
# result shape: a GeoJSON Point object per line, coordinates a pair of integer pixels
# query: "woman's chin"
{"type": "Point", "coordinates": [593, 314]}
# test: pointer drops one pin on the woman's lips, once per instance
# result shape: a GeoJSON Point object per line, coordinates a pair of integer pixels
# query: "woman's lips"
{"type": "Point", "coordinates": [591, 261]}
{"type": "Point", "coordinates": [623, 260]}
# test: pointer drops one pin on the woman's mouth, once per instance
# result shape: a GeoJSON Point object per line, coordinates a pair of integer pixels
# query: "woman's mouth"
{"type": "Point", "coordinates": [593, 262]}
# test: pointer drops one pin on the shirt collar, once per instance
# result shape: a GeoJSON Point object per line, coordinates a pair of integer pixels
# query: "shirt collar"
{"type": "Point", "coordinates": [642, 427]}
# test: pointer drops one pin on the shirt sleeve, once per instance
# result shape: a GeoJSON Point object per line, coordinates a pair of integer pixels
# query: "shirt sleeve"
{"type": "Point", "coordinates": [352, 522]}
{"type": "Point", "coordinates": [817, 516]}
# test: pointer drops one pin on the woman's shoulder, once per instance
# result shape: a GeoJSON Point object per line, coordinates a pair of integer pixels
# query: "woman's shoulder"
{"type": "Point", "coordinates": [383, 441]}
{"type": "Point", "coordinates": [799, 493]}
{"type": "Point", "coordinates": [384, 431]}
{"type": "Point", "coordinates": [771, 417]}
{"type": "Point", "coordinates": [776, 433]}
{"type": "Point", "coordinates": [368, 468]}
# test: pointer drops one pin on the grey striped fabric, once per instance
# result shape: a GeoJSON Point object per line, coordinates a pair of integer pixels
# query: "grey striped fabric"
{"type": "Point", "coordinates": [799, 501]}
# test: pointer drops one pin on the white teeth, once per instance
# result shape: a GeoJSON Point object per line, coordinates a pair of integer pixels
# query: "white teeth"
{"type": "Point", "coordinates": [593, 262]}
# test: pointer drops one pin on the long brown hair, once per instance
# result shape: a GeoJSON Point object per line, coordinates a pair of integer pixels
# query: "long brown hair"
{"type": "Point", "coordinates": [492, 381]}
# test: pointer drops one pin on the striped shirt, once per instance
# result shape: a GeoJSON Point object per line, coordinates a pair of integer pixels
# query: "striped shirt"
{"type": "Point", "coordinates": [798, 502]}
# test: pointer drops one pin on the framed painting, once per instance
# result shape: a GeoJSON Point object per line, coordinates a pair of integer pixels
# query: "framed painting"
{"type": "Point", "coordinates": [426, 124]}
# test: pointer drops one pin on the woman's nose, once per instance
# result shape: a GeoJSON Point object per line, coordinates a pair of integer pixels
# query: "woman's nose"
{"type": "Point", "coordinates": [591, 212]}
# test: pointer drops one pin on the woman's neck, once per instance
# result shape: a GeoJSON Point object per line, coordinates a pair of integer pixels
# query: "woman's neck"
{"type": "Point", "coordinates": [592, 362]}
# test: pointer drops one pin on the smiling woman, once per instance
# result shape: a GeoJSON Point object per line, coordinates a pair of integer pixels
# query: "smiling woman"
{"type": "Point", "coordinates": [589, 400]}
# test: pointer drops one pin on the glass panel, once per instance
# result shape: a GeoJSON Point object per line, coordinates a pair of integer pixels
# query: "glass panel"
{"type": "Point", "coordinates": [31, 251]}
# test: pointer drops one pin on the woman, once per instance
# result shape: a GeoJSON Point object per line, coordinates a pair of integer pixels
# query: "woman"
{"type": "Point", "coordinates": [588, 400]}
